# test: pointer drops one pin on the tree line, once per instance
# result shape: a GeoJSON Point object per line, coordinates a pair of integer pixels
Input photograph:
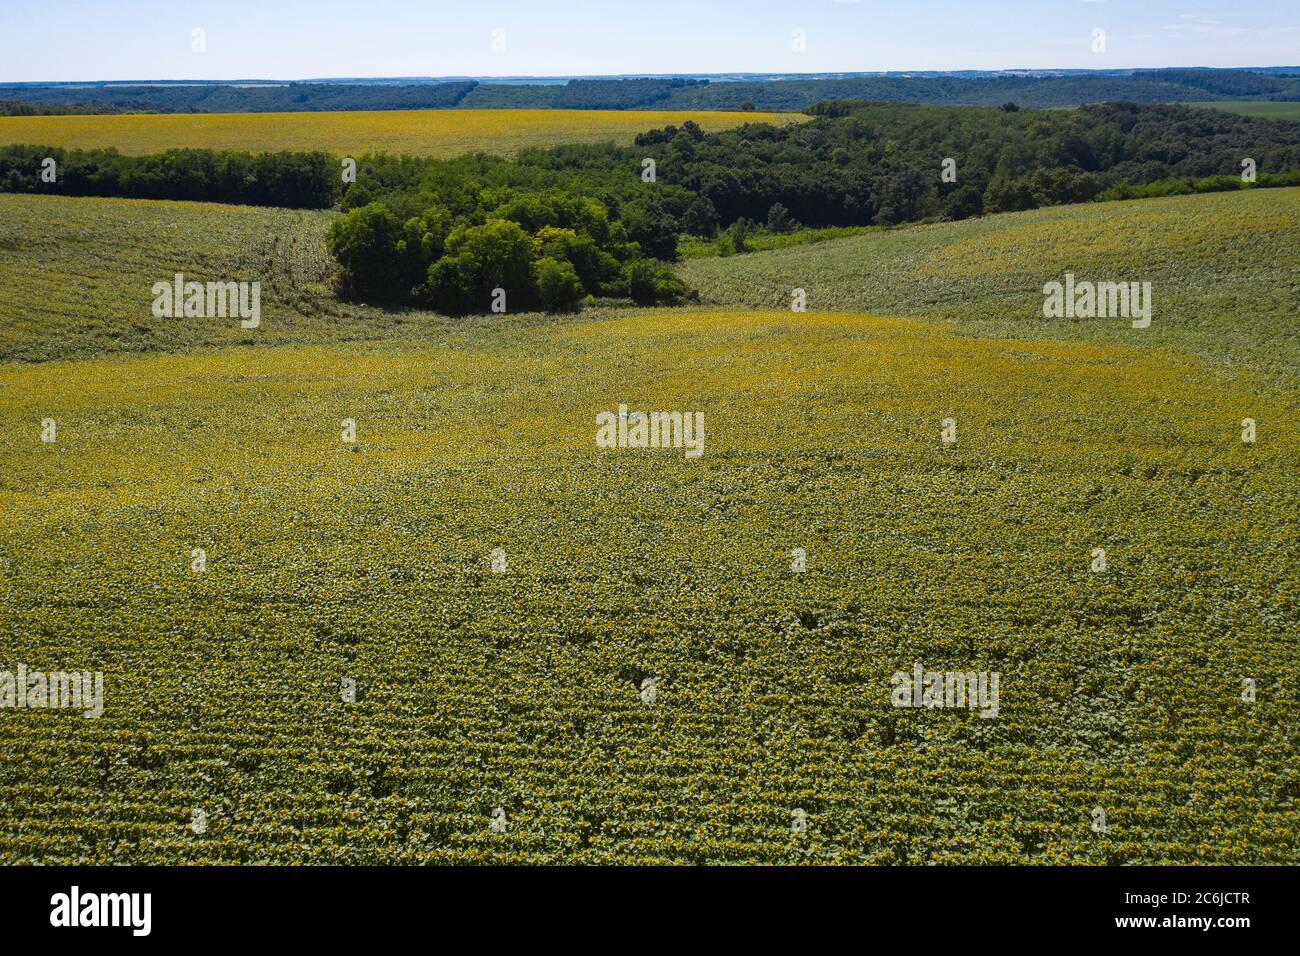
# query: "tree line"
{"type": "Point", "coordinates": [1038, 91]}
{"type": "Point", "coordinates": [306, 180]}
{"type": "Point", "coordinates": [222, 98]}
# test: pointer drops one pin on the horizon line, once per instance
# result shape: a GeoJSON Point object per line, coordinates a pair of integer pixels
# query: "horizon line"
{"type": "Point", "coordinates": [776, 75]}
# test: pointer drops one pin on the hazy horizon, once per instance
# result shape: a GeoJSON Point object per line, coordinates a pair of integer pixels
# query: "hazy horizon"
{"type": "Point", "coordinates": [559, 77]}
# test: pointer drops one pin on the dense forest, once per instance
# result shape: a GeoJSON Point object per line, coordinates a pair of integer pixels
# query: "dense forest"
{"type": "Point", "coordinates": [221, 98]}
{"type": "Point", "coordinates": [13, 108]}
{"type": "Point", "coordinates": [589, 207]}
{"type": "Point", "coordinates": [555, 226]}
{"type": "Point", "coordinates": [1150, 86]}
{"type": "Point", "coordinates": [1153, 86]}
{"type": "Point", "coordinates": [295, 180]}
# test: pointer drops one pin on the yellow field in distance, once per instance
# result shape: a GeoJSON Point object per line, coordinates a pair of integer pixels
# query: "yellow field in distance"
{"type": "Point", "coordinates": [443, 133]}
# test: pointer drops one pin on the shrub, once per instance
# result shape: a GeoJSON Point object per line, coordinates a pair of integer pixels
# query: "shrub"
{"type": "Point", "coordinates": [738, 235]}
{"type": "Point", "coordinates": [1218, 184]}
{"type": "Point", "coordinates": [655, 283]}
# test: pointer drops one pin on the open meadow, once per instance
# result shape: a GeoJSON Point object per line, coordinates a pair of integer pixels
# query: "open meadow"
{"type": "Point", "coordinates": [1265, 109]}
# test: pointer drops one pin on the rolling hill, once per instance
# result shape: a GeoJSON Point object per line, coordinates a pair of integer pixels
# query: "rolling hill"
{"type": "Point", "coordinates": [329, 561]}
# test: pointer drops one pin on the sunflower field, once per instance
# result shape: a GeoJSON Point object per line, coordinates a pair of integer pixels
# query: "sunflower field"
{"type": "Point", "coordinates": [366, 589]}
{"type": "Point", "coordinates": [438, 133]}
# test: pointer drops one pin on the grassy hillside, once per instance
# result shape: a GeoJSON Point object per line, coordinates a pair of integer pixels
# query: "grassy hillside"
{"type": "Point", "coordinates": [76, 275]}
{"type": "Point", "coordinates": [370, 561]}
{"type": "Point", "coordinates": [1225, 270]}
{"type": "Point", "coordinates": [1262, 109]}
{"type": "Point", "coordinates": [440, 133]}
{"type": "Point", "coordinates": [76, 278]}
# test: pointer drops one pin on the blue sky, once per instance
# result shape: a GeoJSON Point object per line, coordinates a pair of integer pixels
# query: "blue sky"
{"type": "Point", "coordinates": [292, 39]}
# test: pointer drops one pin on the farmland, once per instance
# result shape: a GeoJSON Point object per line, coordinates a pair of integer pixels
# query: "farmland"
{"type": "Point", "coordinates": [437, 133]}
{"type": "Point", "coordinates": [370, 561]}
{"type": "Point", "coordinates": [75, 275]}
{"type": "Point", "coordinates": [1264, 109]}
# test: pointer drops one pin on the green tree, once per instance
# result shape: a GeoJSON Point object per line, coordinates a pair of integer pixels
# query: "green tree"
{"type": "Point", "coordinates": [700, 219]}
{"type": "Point", "coordinates": [558, 287]}
{"type": "Point", "coordinates": [964, 201]}
{"type": "Point", "coordinates": [479, 260]}
{"type": "Point", "coordinates": [594, 266]}
{"type": "Point", "coordinates": [1006, 194]}
{"type": "Point", "coordinates": [653, 229]}
{"type": "Point", "coordinates": [738, 232]}
{"type": "Point", "coordinates": [365, 244]}
{"type": "Point", "coordinates": [779, 218]}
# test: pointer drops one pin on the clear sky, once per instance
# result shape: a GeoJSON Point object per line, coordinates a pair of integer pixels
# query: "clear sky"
{"type": "Point", "coordinates": [47, 40]}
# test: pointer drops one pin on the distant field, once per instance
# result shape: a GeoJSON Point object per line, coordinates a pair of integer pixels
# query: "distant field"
{"type": "Point", "coordinates": [412, 132]}
{"type": "Point", "coordinates": [1264, 110]}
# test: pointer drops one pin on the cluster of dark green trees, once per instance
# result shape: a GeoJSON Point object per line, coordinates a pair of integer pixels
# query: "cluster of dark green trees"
{"type": "Point", "coordinates": [623, 94]}
{"type": "Point", "coordinates": [881, 164]}
{"type": "Point", "coordinates": [15, 108]}
{"type": "Point", "coordinates": [454, 235]}
{"type": "Point", "coordinates": [618, 94]}
{"type": "Point", "coordinates": [1150, 86]}
{"type": "Point", "coordinates": [855, 164]}
{"type": "Point", "coordinates": [296, 180]}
